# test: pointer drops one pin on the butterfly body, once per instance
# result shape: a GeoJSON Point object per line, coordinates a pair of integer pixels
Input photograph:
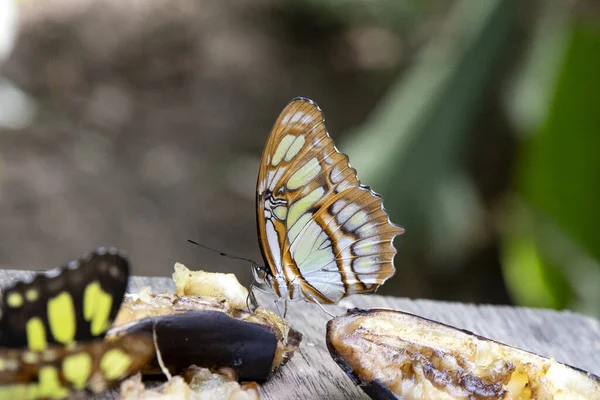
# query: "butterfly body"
{"type": "Point", "coordinates": [323, 234]}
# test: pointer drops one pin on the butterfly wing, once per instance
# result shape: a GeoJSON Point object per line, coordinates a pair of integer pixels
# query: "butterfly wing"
{"type": "Point", "coordinates": [318, 226]}
{"type": "Point", "coordinates": [76, 302]}
{"type": "Point", "coordinates": [56, 370]}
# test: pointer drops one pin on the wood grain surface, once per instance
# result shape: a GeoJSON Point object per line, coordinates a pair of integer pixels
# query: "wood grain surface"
{"type": "Point", "coordinates": [312, 374]}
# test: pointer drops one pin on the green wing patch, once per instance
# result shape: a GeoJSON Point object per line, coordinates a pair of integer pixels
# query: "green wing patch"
{"type": "Point", "coordinates": [75, 302]}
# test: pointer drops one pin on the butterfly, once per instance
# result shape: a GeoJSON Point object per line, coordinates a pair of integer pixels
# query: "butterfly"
{"type": "Point", "coordinates": [322, 234]}
{"type": "Point", "coordinates": [52, 330]}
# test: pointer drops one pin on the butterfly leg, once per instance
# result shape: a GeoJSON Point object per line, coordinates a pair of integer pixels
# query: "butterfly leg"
{"type": "Point", "coordinates": [286, 327]}
{"type": "Point", "coordinates": [251, 302]}
{"type": "Point", "coordinates": [321, 307]}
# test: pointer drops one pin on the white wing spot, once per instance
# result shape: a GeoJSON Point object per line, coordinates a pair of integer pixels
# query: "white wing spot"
{"type": "Point", "coordinates": [338, 205]}
{"type": "Point", "coordinates": [9, 365]}
{"type": "Point", "coordinates": [305, 119]}
{"type": "Point", "coordinates": [273, 178]}
{"type": "Point", "coordinates": [356, 221]}
{"type": "Point", "coordinates": [366, 230]}
{"type": "Point", "coordinates": [366, 247]}
{"type": "Point", "coordinates": [366, 265]}
{"type": "Point", "coordinates": [342, 186]}
{"type": "Point", "coordinates": [296, 117]}
{"type": "Point", "coordinates": [330, 284]}
{"type": "Point", "coordinates": [274, 245]}
{"type": "Point", "coordinates": [335, 175]}
{"type": "Point", "coordinates": [317, 259]}
{"type": "Point", "coordinates": [346, 213]}
{"type": "Point", "coordinates": [326, 157]}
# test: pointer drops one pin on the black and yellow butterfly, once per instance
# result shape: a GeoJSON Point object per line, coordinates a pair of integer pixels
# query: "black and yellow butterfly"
{"type": "Point", "coordinates": [52, 330]}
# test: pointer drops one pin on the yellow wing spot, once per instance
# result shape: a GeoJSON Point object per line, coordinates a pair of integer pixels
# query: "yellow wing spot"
{"type": "Point", "coordinates": [305, 174]}
{"type": "Point", "coordinates": [302, 205]}
{"type": "Point", "coordinates": [32, 295]}
{"type": "Point", "coordinates": [77, 368]}
{"type": "Point", "coordinates": [96, 307]}
{"type": "Point", "coordinates": [61, 317]}
{"type": "Point", "coordinates": [295, 148]}
{"type": "Point", "coordinates": [20, 391]}
{"type": "Point", "coordinates": [2, 364]}
{"type": "Point", "coordinates": [36, 334]}
{"type": "Point", "coordinates": [115, 364]}
{"type": "Point", "coordinates": [282, 148]}
{"type": "Point", "coordinates": [280, 212]}
{"type": "Point", "coordinates": [14, 300]}
{"type": "Point", "coordinates": [50, 386]}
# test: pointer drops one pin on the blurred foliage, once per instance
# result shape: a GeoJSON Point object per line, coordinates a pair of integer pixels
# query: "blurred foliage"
{"type": "Point", "coordinates": [484, 144]}
{"type": "Point", "coordinates": [413, 148]}
{"type": "Point", "coordinates": [402, 16]}
{"type": "Point", "coordinates": [559, 180]}
{"type": "Point", "coordinates": [561, 164]}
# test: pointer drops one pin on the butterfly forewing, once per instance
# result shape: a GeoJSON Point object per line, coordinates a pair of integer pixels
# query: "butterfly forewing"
{"type": "Point", "coordinates": [76, 302]}
{"type": "Point", "coordinates": [319, 228]}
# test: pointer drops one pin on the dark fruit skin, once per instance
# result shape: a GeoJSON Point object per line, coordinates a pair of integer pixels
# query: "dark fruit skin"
{"type": "Point", "coordinates": [212, 339]}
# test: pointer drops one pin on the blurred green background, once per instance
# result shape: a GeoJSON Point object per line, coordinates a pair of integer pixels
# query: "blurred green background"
{"type": "Point", "coordinates": [141, 124]}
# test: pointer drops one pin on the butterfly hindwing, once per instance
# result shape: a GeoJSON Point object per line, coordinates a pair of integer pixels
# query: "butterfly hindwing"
{"type": "Point", "coordinates": [75, 302]}
{"type": "Point", "coordinates": [353, 252]}
{"type": "Point", "coordinates": [55, 371]}
{"type": "Point", "coordinates": [319, 227]}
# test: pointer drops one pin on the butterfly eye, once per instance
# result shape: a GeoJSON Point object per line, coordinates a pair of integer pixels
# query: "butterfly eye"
{"type": "Point", "coordinates": [260, 274]}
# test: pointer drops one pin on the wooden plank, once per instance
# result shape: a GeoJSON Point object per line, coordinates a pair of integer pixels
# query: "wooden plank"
{"type": "Point", "coordinates": [566, 336]}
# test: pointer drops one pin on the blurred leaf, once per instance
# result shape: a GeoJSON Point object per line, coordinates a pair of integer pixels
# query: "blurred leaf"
{"type": "Point", "coordinates": [534, 82]}
{"type": "Point", "coordinates": [561, 165]}
{"type": "Point", "coordinates": [551, 263]}
{"type": "Point", "coordinates": [532, 279]}
{"type": "Point", "coordinates": [411, 147]}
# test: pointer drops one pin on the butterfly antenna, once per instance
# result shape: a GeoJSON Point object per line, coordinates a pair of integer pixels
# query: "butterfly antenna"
{"type": "Point", "coordinates": [221, 253]}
